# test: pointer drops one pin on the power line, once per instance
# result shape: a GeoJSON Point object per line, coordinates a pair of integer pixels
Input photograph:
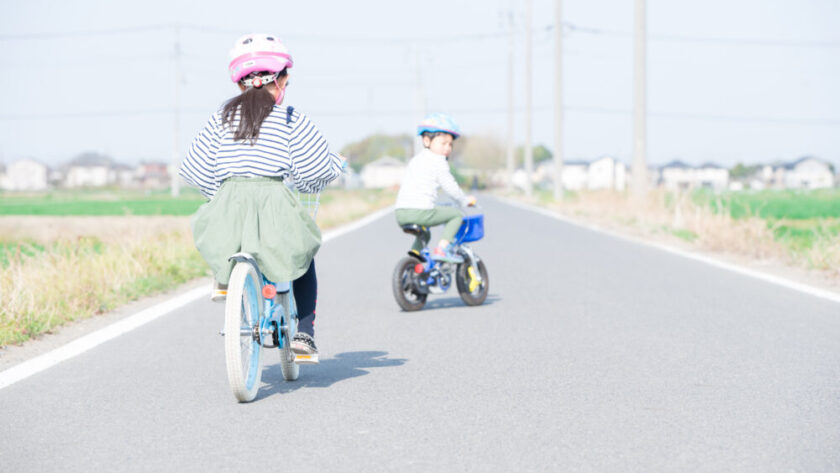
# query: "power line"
{"type": "Point", "coordinates": [465, 111]}
{"type": "Point", "coordinates": [96, 32]}
{"type": "Point", "coordinates": [391, 40]}
{"type": "Point", "coordinates": [701, 39]}
{"type": "Point", "coordinates": [385, 40]}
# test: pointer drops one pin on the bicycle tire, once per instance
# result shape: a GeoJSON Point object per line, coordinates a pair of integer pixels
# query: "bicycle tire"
{"type": "Point", "coordinates": [477, 296]}
{"type": "Point", "coordinates": [243, 347]}
{"type": "Point", "coordinates": [407, 298]}
{"type": "Point", "coordinates": [288, 367]}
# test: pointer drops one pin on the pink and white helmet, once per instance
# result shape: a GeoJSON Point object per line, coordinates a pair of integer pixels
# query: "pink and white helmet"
{"type": "Point", "coordinates": [258, 53]}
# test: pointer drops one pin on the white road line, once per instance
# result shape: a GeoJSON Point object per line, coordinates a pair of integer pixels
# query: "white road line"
{"type": "Point", "coordinates": [82, 344]}
{"type": "Point", "coordinates": [804, 288]}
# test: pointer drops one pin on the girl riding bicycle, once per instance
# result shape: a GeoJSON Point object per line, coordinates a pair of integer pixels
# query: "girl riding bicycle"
{"type": "Point", "coordinates": [239, 162]}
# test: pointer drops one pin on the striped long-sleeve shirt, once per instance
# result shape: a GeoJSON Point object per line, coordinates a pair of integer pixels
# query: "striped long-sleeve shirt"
{"type": "Point", "coordinates": [424, 174]}
{"type": "Point", "coordinates": [288, 145]}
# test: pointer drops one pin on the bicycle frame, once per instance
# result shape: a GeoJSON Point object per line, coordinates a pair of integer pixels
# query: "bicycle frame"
{"type": "Point", "coordinates": [272, 321]}
{"type": "Point", "coordinates": [430, 263]}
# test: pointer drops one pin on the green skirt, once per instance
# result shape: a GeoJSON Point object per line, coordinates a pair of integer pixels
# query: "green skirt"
{"type": "Point", "coordinates": [260, 216]}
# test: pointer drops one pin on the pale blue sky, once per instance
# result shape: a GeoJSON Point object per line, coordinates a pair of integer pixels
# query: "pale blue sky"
{"type": "Point", "coordinates": [750, 80]}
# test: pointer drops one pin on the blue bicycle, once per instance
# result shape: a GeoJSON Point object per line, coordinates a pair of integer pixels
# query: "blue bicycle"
{"type": "Point", "coordinates": [417, 276]}
{"type": "Point", "coordinates": [260, 314]}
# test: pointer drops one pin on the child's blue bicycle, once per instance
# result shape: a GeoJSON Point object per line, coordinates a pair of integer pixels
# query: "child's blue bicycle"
{"type": "Point", "coordinates": [260, 314]}
{"type": "Point", "coordinates": [417, 276]}
{"type": "Point", "coordinates": [263, 315]}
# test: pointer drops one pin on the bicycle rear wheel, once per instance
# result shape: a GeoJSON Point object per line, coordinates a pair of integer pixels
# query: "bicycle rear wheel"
{"type": "Point", "coordinates": [243, 347]}
{"type": "Point", "coordinates": [402, 285]}
{"type": "Point", "coordinates": [290, 369]}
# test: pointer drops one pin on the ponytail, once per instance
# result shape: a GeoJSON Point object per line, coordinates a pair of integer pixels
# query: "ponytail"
{"type": "Point", "coordinates": [253, 106]}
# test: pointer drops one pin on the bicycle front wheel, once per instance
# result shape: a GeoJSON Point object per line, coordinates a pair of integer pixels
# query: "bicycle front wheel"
{"type": "Point", "coordinates": [471, 290]}
{"type": "Point", "coordinates": [243, 347]}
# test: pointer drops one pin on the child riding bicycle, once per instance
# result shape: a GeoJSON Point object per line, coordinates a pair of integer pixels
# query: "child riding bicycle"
{"type": "Point", "coordinates": [239, 162]}
{"type": "Point", "coordinates": [426, 172]}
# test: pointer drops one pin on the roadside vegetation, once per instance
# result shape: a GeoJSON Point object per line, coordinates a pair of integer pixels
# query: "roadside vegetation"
{"type": "Point", "coordinates": [801, 228]}
{"type": "Point", "coordinates": [69, 256]}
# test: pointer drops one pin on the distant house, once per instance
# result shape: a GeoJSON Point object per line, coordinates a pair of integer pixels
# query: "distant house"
{"type": "Point", "coordinates": [680, 175]}
{"type": "Point", "coordinates": [26, 175]}
{"type": "Point", "coordinates": [152, 175]}
{"type": "Point", "coordinates": [676, 175]}
{"type": "Point", "coordinates": [384, 172]}
{"type": "Point", "coordinates": [124, 175]}
{"type": "Point", "coordinates": [602, 173]}
{"type": "Point", "coordinates": [712, 176]}
{"type": "Point", "coordinates": [807, 173]}
{"type": "Point", "coordinates": [804, 173]}
{"type": "Point", "coordinates": [90, 170]}
{"type": "Point", "coordinates": [606, 173]}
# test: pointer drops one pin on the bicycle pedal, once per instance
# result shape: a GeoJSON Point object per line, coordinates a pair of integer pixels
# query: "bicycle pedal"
{"type": "Point", "coordinates": [306, 359]}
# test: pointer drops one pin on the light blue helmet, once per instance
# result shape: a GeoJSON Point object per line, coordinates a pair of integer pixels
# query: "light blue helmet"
{"type": "Point", "coordinates": [439, 122]}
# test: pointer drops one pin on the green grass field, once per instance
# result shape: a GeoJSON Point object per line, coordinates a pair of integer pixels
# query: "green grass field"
{"type": "Point", "coordinates": [775, 205]}
{"type": "Point", "coordinates": [799, 219]}
{"type": "Point", "coordinates": [101, 202]}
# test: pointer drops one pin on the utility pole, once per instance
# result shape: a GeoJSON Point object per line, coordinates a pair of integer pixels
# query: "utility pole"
{"type": "Point", "coordinates": [558, 100]}
{"type": "Point", "coordinates": [529, 150]}
{"type": "Point", "coordinates": [421, 97]}
{"type": "Point", "coordinates": [510, 148]}
{"type": "Point", "coordinates": [176, 129]}
{"type": "Point", "coordinates": [639, 105]}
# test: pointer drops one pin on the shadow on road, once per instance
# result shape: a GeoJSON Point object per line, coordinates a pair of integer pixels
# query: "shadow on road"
{"type": "Point", "coordinates": [450, 302]}
{"type": "Point", "coordinates": [329, 371]}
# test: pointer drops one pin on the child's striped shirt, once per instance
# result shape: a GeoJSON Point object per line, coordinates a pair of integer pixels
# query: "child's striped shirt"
{"type": "Point", "coordinates": [288, 146]}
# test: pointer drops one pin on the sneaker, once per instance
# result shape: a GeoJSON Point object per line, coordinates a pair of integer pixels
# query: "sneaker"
{"type": "Point", "coordinates": [303, 346]}
{"type": "Point", "coordinates": [439, 254]}
{"type": "Point", "coordinates": [219, 292]}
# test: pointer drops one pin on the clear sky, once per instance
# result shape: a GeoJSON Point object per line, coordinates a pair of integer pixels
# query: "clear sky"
{"type": "Point", "coordinates": [728, 81]}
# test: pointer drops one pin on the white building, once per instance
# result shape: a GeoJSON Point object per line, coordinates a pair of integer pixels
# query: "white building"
{"type": "Point", "coordinates": [712, 176]}
{"type": "Point", "coordinates": [384, 172]}
{"type": "Point", "coordinates": [676, 175]}
{"type": "Point", "coordinates": [807, 173]}
{"type": "Point", "coordinates": [602, 173]}
{"type": "Point", "coordinates": [679, 175]}
{"type": "Point", "coordinates": [25, 175]}
{"type": "Point", "coordinates": [90, 170]}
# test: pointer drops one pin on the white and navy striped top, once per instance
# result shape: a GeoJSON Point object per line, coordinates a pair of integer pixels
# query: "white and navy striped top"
{"type": "Point", "coordinates": [288, 146]}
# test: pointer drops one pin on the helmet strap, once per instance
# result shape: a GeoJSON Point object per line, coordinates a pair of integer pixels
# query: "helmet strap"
{"type": "Point", "coordinates": [259, 81]}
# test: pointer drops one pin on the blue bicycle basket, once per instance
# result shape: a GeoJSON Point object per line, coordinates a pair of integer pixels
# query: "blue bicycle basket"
{"type": "Point", "coordinates": [472, 229]}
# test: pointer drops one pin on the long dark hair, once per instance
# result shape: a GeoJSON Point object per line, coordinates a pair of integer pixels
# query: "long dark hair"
{"type": "Point", "coordinates": [253, 105]}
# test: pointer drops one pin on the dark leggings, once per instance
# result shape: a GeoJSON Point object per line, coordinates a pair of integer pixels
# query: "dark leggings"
{"type": "Point", "coordinates": [306, 294]}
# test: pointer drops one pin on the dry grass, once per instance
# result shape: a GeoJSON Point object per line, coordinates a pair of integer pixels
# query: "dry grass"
{"type": "Point", "coordinates": [88, 266]}
{"type": "Point", "coordinates": [678, 220]}
{"type": "Point", "coordinates": [59, 269]}
{"type": "Point", "coordinates": [341, 206]}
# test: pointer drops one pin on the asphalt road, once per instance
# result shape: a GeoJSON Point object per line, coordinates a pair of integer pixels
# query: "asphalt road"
{"type": "Point", "coordinates": [591, 354]}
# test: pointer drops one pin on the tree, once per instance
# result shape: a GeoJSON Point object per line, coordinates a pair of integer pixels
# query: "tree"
{"type": "Point", "coordinates": [481, 152]}
{"type": "Point", "coordinates": [376, 146]}
{"type": "Point", "coordinates": [742, 171]}
{"type": "Point", "coordinates": [541, 153]}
